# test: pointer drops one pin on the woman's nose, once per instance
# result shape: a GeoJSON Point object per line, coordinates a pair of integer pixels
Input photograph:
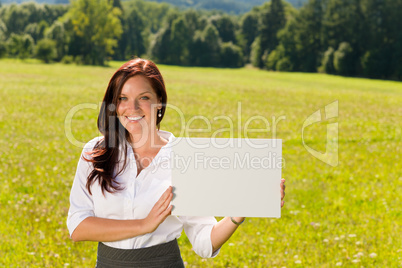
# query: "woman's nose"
{"type": "Point", "coordinates": [134, 105]}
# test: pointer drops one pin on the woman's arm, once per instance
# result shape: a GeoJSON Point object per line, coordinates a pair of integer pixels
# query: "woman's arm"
{"type": "Point", "coordinates": [108, 230]}
{"type": "Point", "coordinates": [224, 229]}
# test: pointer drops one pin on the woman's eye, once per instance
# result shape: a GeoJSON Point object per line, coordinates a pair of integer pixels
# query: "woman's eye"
{"type": "Point", "coordinates": [144, 98]}
{"type": "Point", "coordinates": [122, 98]}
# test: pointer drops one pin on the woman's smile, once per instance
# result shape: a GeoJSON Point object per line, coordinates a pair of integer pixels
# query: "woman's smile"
{"type": "Point", "coordinates": [138, 105]}
{"type": "Point", "coordinates": [133, 119]}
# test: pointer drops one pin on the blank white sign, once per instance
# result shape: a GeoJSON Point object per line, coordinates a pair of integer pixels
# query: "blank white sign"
{"type": "Point", "coordinates": [226, 177]}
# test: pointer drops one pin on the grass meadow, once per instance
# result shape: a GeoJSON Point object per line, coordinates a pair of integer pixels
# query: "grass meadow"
{"type": "Point", "coordinates": [349, 215]}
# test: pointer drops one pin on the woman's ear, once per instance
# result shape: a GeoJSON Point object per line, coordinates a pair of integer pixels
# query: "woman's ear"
{"type": "Point", "coordinates": [159, 104]}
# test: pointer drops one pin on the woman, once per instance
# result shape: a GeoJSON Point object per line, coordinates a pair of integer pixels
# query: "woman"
{"type": "Point", "coordinates": [121, 196]}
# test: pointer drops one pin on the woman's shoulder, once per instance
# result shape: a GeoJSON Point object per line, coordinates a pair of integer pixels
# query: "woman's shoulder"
{"type": "Point", "coordinates": [166, 135]}
{"type": "Point", "coordinates": [89, 146]}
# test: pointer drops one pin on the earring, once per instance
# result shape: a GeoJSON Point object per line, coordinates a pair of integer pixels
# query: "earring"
{"type": "Point", "coordinates": [160, 113]}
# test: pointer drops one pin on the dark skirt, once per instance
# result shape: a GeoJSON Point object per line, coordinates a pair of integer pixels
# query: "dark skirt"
{"type": "Point", "coordinates": [165, 255]}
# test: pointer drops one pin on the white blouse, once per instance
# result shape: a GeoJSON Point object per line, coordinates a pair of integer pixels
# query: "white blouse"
{"type": "Point", "coordinates": [135, 201]}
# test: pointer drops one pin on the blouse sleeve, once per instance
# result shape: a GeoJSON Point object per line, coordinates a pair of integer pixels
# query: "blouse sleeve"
{"type": "Point", "coordinates": [198, 231]}
{"type": "Point", "coordinates": [81, 202]}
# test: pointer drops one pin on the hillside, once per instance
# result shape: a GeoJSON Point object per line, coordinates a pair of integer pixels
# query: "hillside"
{"type": "Point", "coordinates": [347, 214]}
{"type": "Point", "coordinates": [229, 6]}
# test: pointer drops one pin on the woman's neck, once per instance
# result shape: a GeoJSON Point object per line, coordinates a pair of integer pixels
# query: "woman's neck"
{"type": "Point", "coordinates": [145, 150]}
{"type": "Point", "coordinates": [147, 143]}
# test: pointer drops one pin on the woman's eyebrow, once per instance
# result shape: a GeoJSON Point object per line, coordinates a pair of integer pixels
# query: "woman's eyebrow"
{"type": "Point", "coordinates": [144, 92]}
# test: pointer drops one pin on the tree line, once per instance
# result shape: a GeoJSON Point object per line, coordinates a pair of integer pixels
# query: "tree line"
{"type": "Point", "coordinates": [345, 37]}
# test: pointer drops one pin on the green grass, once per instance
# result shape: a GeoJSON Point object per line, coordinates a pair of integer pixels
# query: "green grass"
{"type": "Point", "coordinates": [332, 214]}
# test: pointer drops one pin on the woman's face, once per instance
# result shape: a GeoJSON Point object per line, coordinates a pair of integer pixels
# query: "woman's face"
{"type": "Point", "coordinates": [137, 107]}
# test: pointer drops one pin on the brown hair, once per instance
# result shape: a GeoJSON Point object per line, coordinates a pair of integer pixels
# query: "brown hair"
{"type": "Point", "coordinates": [106, 154]}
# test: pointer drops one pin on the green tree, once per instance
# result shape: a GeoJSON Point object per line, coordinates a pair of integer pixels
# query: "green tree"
{"type": "Point", "coordinates": [3, 30]}
{"type": "Point", "coordinates": [301, 38]}
{"type": "Point", "coordinates": [344, 22]}
{"type": "Point", "coordinates": [328, 61]}
{"type": "Point", "coordinates": [344, 60]}
{"type": "Point", "coordinates": [310, 35]}
{"type": "Point", "coordinates": [256, 52]}
{"type": "Point", "coordinates": [58, 34]}
{"type": "Point", "coordinates": [3, 49]}
{"type": "Point", "coordinates": [205, 48]}
{"type": "Point", "coordinates": [15, 18]}
{"type": "Point", "coordinates": [274, 57]}
{"type": "Point", "coordinates": [96, 23]}
{"type": "Point", "coordinates": [132, 41]}
{"type": "Point", "coordinates": [272, 20]}
{"type": "Point", "coordinates": [212, 45]}
{"type": "Point", "coordinates": [374, 65]}
{"type": "Point", "coordinates": [46, 50]}
{"type": "Point", "coordinates": [33, 30]}
{"type": "Point", "coordinates": [18, 17]}
{"type": "Point", "coordinates": [249, 31]}
{"type": "Point", "coordinates": [117, 3]}
{"type": "Point", "coordinates": [231, 55]}
{"type": "Point", "coordinates": [154, 14]}
{"type": "Point", "coordinates": [36, 30]}
{"type": "Point", "coordinates": [54, 12]}
{"type": "Point", "coordinates": [175, 43]}
{"type": "Point", "coordinates": [193, 20]}
{"type": "Point", "coordinates": [36, 12]}
{"type": "Point", "coordinates": [179, 40]}
{"type": "Point", "coordinates": [3, 45]}
{"type": "Point", "coordinates": [383, 55]}
{"type": "Point", "coordinates": [160, 46]}
{"type": "Point", "coordinates": [284, 65]}
{"type": "Point", "coordinates": [394, 21]}
{"type": "Point", "coordinates": [20, 46]}
{"type": "Point", "coordinates": [225, 26]}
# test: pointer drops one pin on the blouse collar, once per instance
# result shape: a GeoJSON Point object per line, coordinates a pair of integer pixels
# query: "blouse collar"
{"type": "Point", "coordinates": [163, 152]}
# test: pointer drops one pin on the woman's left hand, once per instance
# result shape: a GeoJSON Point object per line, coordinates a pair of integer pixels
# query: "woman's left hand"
{"type": "Point", "coordinates": [282, 191]}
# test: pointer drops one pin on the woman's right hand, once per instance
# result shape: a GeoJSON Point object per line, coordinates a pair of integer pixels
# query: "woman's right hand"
{"type": "Point", "coordinates": [110, 230]}
{"type": "Point", "coordinates": [159, 212]}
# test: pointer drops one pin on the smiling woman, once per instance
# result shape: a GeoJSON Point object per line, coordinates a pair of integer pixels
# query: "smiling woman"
{"type": "Point", "coordinates": [137, 107]}
{"type": "Point", "coordinates": [120, 196]}
{"type": "Point", "coordinates": [128, 90]}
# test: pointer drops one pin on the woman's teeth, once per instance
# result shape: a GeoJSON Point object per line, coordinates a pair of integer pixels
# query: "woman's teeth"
{"type": "Point", "coordinates": [134, 118]}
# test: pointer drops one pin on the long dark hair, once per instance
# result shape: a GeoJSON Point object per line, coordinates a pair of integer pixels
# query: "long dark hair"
{"type": "Point", "coordinates": [106, 154]}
